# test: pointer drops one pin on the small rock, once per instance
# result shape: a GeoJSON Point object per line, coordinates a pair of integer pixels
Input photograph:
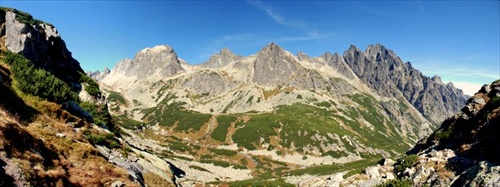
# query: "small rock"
{"type": "Point", "coordinates": [389, 176]}
{"type": "Point", "coordinates": [372, 172]}
{"type": "Point", "coordinates": [479, 100]}
{"type": "Point", "coordinates": [387, 162]}
{"type": "Point", "coordinates": [117, 184]}
{"type": "Point", "coordinates": [132, 158]}
{"type": "Point", "coordinates": [60, 135]}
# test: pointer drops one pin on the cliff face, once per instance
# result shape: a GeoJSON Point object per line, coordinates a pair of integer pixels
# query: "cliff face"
{"type": "Point", "coordinates": [40, 43]}
{"type": "Point", "coordinates": [383, 71]}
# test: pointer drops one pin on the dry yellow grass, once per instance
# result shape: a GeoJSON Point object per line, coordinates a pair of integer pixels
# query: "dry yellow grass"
{"type": "Point", "coordinates": [31, 141]}
{"type": "Point", "coordinates": [152, 179]}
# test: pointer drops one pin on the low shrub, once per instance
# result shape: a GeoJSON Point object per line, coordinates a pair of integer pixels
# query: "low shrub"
{"type": "Point", "coordinates": [404, 162]}
{"type": "Point", "coordinates": [37, 81]}
{"type": "Point", "coordinates": [397, 183]}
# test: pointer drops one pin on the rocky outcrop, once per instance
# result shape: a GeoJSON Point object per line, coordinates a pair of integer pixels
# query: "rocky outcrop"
{"type": "Point", "coordinates": [383, 71]}
{"type": "Point", "coordinates": [41, 43]}
{"type": "Point", "coordinates": [133, 168]}
{"type": "Point", "coordinates": [466, 145]}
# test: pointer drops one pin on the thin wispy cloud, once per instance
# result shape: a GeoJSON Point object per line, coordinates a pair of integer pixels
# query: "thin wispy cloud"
{"type": "Point", "coordinates": [232, 38]}
{"type": "Point", "coordinates": [309, 36]}
{"type": "Point", "coordinates": [276, 16]}
{"type": "Point", "coordinates": [272, 13]}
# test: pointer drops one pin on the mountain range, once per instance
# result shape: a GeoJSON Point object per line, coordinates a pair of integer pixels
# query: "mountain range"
{"type": "Point", "coordinates": [298, 110]}
{"type": "Point", "coordinates": [269, 119]}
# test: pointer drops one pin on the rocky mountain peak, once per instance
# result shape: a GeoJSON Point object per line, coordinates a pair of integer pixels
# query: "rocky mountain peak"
{"type": "Point", "coordinates": [375, 48]}
{"type": "Point", "coordinates": [222, 59]}
{"type": "Point", "coordinates": [157, 50]}
{"type": "Point", "coordinates": [271, 49]}
{"type": "Point", "coordinates": [226, 52]}
{"type": "Point", "coordinates": [274, 66]}
{"type": "Point", "coordinates": [302, 56]}
{"type": "Point", "coordinates": [98, 75]}
{"type": "Point", "coordinates": [437, 79]}
{"type": "Point", "coordinates": [326, 56]}
{"type": "Point", "coordinates": [353, 49]}
{"type": "Point", "coordinates": [148, 64]}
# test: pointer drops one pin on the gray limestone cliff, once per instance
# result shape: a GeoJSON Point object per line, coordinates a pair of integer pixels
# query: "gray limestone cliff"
{"type": "Point", "coordinates": [39, 42]}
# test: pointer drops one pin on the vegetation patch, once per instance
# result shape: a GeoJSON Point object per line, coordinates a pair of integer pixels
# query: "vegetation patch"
{"type": "Point", "coordinates": [220, 132]}
{"type": "Point", "coordinates": [334, 168]}
{"type": "Point", "coordinates": [116, 97]}
{"type": "Point", "coordinates": [127, 123]}
{"type": "Point", "coordinates": [174, 113]}
{"type": "Point", "coordinates": [404, 162]}
{"type": "Point", "coordinates": [224, 152]}
{"type": "Point", "coordinates": [91, 87]}
{"type": "Point", "coordinates": [397, 183]}
{"type": "Point", "coordinates": [258, 182]}
{"type": "Point", "coordinates": [36, 81]}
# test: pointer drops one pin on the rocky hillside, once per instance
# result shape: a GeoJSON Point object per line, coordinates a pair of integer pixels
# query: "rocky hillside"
{"type": "Point", "coordinates": [471, 139]}
{"type": "Point", "coordinates": [55, 128]}
{"type": "Point", "coordinates": [462, 152]}
{"type": "Point", "coordinates": [273, 112]}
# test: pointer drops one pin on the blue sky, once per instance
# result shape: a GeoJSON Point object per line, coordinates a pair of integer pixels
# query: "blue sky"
{"type": "Point", "coordinates": [457, 40]}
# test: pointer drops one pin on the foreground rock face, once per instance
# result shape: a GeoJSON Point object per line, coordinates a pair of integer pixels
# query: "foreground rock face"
{"type": "Point", "coordinates": [39, 42]}
{"type": "Point", "coordinates": [465, 146]}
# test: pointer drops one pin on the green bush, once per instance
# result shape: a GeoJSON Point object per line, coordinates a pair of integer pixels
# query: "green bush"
{"type": "Point", "coordinates": [100, 115]}
{"type": "Point", "coordinates": [116, 97]}
{"type": "Point", "coordinates": [404, 162]}
{"type": "Point", "coordinates": [397, 183]}
{"type": "Point", "coordinates": [444, 134]}
{"type": "Point", "coordinates": [38, 82]}
{"type": "Point", "coordinates": [114, 144]}
{"type": "Point", "coordinates": [92, 87]}
{"type": "Point", "coordinates": [96, 139]}
{"type": "Point", "coordinates": [220, 132]}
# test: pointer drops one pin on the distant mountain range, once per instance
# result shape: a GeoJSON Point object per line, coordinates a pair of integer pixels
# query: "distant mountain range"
{"type": "Point", "coordinates": [328, 109]}
{"type": "Point", "coordinates": [378, 68]}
